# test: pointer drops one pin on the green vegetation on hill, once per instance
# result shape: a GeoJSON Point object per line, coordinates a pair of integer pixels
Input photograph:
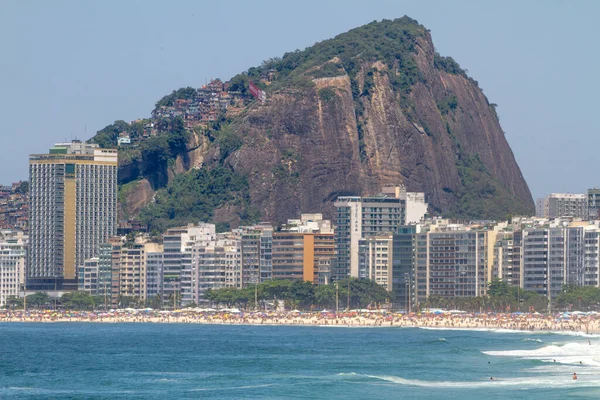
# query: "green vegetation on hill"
{"type": "Point", "coordinates": [182, 93]}
{"type": "Point", "coordinates": [392, 42]}
{"type": "Point", "coordinates": [482, 196]}
{"type": "Point", "coordinates": [193, 197]}
{"type": "Point", "coordinates": [108, 136]}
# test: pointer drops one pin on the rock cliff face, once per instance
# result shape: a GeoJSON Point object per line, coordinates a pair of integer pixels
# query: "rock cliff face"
{"type": "Point", "coordinates": [307, 146]}
{"type": "Point", "coordinates": [374, 106]}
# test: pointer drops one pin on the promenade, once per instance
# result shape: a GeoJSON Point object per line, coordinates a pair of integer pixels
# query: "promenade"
{"type": "Point", "coordinates": [581, 323]}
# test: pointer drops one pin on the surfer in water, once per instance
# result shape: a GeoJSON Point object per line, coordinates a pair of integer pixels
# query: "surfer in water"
{"type": "Point", "coordinates": [491, 378]}
{"type": "Point", "coordinates": [574, 376]}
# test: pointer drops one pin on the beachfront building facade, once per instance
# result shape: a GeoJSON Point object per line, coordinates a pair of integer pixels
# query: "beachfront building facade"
{"type": "Point", "coordinates": [129, 275]}
{"type": "Point", "coordinates": [364, 217]}
{"type": "Point", "coordinates": [256, 248]}
{"type": "Point", "coordinates": [218, 263]}
{"type": "Point", "coordinates": [303, 256]}
{"type": "Point", "coordinates": [376, 259]}
{"type": "Point", "coordinates": [12, 264]}
{"type": "Point", "coordinates": [87, 276]}
{"type": "Point", "coordinates": [507, 257]}
{"type": "Point", "coordinates": [172, 265]}
{"type": "Point", "coordinates": [440, 259]}
{"type": "Point", "coordinates": [154, 270]}
{"type": "Point", "coordinates": [72, 211]}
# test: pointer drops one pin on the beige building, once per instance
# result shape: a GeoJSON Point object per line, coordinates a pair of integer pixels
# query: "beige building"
{"type": "Point", "coordinates": [128, 272]}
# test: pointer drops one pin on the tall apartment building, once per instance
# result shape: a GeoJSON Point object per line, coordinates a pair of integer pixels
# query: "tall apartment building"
{"type": "Point", "coordinates": [544, 255]}
{"type": "Point", "coordinates": [172, 256]}
{"type": "Point", "coordinates": [12, 264]}
{"type": "Point", "coordinates": [87, 276]}
{"type": "Point", "coordinates": [129, 273]}
{"type": "Point", "coordinates": [218, 263]}
{"type": "Point", "coordinates": [303, 256]}
{"type": "Point", "coordinates": [304, 250]}
{"type": "Point", "coordinates": [557, 205]}
{"type": "Point", "coordinates": [452, 261]}
{"type": "Point", "coordinates": [256, 244]}
{"type": "Point", "coordinates": [72, 211]}
{"type": "Point", "coordinates": [154, 269]}
{"type": "Point", "coordinates": [362, 217]}
{"type": "Point", "coordinates": [507, 257]}
{"type": "Point", "coordinates": [376, 258]}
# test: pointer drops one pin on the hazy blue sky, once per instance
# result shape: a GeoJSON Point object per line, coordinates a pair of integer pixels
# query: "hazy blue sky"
{"type": "Point", "coordinates": [66, 65]}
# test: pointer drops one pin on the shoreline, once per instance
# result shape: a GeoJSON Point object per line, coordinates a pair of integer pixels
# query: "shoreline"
{"type": "Point", "coordinates": [578, 326]}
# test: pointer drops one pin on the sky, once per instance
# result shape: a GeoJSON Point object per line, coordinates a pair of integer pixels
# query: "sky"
{"type": "Point", "coordinates": [69, 68]}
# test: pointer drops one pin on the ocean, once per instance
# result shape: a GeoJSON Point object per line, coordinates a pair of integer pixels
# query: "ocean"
{"type": "Point", "coordinates": [180, 361]}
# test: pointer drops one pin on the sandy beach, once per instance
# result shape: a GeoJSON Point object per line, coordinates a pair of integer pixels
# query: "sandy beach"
{"type": "Point", "coordinates": [585, 324]}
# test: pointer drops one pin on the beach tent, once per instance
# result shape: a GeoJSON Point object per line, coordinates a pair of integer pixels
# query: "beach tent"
{"type": "Point", "coordinates": [325, 311]}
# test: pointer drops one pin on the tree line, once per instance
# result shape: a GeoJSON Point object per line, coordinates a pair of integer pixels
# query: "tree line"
{"type": "Point", "coordinates": [351, 294]}
{"type": "Point", "coordinates": [501, 297]}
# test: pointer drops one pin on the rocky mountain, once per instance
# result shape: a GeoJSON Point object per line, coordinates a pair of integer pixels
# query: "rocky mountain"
{"type": "Point", "coordinates": [374, 106]}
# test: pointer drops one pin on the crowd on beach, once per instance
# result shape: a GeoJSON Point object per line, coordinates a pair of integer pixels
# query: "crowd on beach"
{"type": "Point", "coordinates": [576, 322]}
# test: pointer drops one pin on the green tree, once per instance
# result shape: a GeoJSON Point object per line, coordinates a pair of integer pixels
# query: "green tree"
{"type": "Point", "coordinates": [38, 300]}
{"type": "Point", "coordinates": [14, 302]}
{"type": "Point", "coordinates": [77, 301]}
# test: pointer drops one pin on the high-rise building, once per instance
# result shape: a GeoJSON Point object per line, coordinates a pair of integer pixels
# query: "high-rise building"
{"type": "Point", "coordinates": [507, 257]}
{"type": "Point", "coordinates": [375, 259]}
{"type": "Point", "coordinates": [218, 263]}
{"type": "Point", "coordinates": [256, 242]}
{"type": "Point", "coordinates": [154, 269]}
{"type": "Point", "coordinates": [303, 256]}
{"type": "Point", "coordinates": [87, 276]}
{"type": "Point", "coordinates": [73, 210]}
{"type": "Point", "coordinates": [363, 217]}
{"type": "Point", "coordinates": [129, 273]}
{"type": "Point", "coordinates": [452, 261]}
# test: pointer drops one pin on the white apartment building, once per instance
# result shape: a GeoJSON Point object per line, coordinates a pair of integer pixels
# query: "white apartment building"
{"type": "Point", "coordinates": [12, 265]}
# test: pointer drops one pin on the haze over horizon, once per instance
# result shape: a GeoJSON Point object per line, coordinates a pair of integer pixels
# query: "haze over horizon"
{"type": "Point", "coordinates": [70, 68]}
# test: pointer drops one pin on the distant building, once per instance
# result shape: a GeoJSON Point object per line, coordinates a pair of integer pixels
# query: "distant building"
{"type": "Point", "coordinates": [558, 205]}
{"type": "Point", "coordinates": [73, 210]}
{"type": "Point", "coordinates": [594, 203]}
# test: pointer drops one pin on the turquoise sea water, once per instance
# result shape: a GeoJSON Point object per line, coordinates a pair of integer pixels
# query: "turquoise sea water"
{"type": "Point", "coordinates": [146, 361]}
